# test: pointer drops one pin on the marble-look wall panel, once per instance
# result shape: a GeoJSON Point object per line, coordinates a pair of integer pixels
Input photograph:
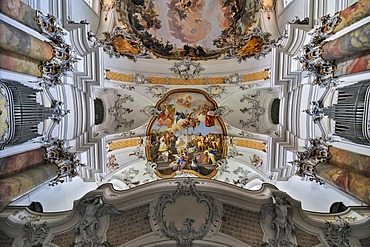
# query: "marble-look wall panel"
{"type": "Point", "coordinates": [353, 14]}
{"type": "Point", "coordinates": [16, 163]}
{"type": "Point", "coordinates": [353, 183]}
{"type": "Point", "coordinates": [20, 12]}
{"type": "Point", "coordinates": [348, 45]}
{"type": "Point", "coordinates": [351, 161]}
{"type": "Point", "coordinates": [18, 41]}
{"type": "Point", "coordinates": [23, 182]}
{"type": "Point", "coordinates": [18, 63]}
{"type": "Point", "coordinates": [353, 65]}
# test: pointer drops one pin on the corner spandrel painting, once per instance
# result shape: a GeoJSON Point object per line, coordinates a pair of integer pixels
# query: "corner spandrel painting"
{"type": "Point", "coordinates": [186, 137]}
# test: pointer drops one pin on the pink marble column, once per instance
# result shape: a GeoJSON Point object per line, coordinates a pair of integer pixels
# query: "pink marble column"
{"type": "Point", "coordinates": [20, 12]}
{"type": "Point", "coordinates": [353, 14]}
{"type": "Point", "coordinates": [18, 63]}
{"type": "Point", "coordinates": [19, 162]}
{"type": "Point", "coordinates": [353, 65]}
{"type": "Point", "coordinates": [349, 181]}
{"type": "Point", "coordinates": [23, 182]}
{"type": "Point", "coordinates": [18, 41]}
{"type": "Point", "coordinates": [348, 45]}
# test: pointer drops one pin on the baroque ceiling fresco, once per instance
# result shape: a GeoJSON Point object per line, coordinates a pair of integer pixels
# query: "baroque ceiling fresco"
{"type": "Point", "coordinates": [187, 135]}
{"type": "Point", "coordinates": [178, 29]}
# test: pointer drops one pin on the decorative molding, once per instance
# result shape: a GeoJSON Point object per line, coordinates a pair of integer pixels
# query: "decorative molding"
{"type": "Point", "coordinates": [127, 177]}
{"type": "Point", "coordinates": [120, 43]}
{"type": "Point", "coordinates": [254, 76]}
{"type": "Point", "coordinates": [222, 167]}
{"type": "Point", "coordinates": [277, 223]}
{"type": "Point", "coordinates": [187, 69]}
{"type": "Point", "coordinates": [50, 27]}
{"type": "Point", "coordinates": [35, 233]}
{"type": "Point", "coordinates": [256, 160]}
{"type": "Point", "coordinates": [311, 59]}
{"type": "Point", "coordinates": [139, 79]}
{"type": "Point", "coordinates": [118, 110]}
{"type": "Point", "coordinates": [298, 21]}
{"type": "Point", "coordinates": [157, 91]}
{"type": "Point", "coordinates": [233, 79]}
{"type": "Point", "coordinates": [255, 111]}
{"type": "Point", "coordinates": [257, 39]}
{"type": "Point", "coordinates": [307, 160]}
{"type": "Point", "coordinates": [337, 235]}
{"type": "Point", "coordinates": [63, 59]}
{"type": "Point", "coordinates": [117, 76]}
{"type": "Point", "coordinates": [187, 234]}
{"type": "Point", "coordinates": [66, 162]}
{"type": "Point", "coordinates": [115, 145]}
{"type": "Point", "coordinates": [243, 179]}
{"type": "Point", "coordinates": [316, 111]}
{"type": "Point", "coordinates": [150, 110]}
{"type": "Point", "coordinates": [215, 91]}
{"type": "Point", "coordinates": [111, 163]}
{"type": "Point", "coordinates": [222, 111]}
{"type": "Point", "coordinates": [139, 153]}
{"type": "Point", "coordinates": [258, 145]}
{"type": "Point", "coordinates": [91, 210]}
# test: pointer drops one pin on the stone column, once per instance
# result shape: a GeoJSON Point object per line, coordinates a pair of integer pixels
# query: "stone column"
{"type": "Point", "coordinates": [17, 163]}
{"type": "Point", "coordinates": [23, 182]}
{"type": "Point", "coordinates": [353, 14]}
{"type": "Point", "coordinates": [20, 12]}
{"type": "Point", "coordinates": [18, 41]}
{"type": "Point", "coordinates": [350, 161]}
{"type": "Point", "coordinates": [353, 65]}
{"type": "Point", "coordinates": [18, 63]}
{"type": "Point", "coordinates": [349, 181]}
{"type": "Point", "coordinates": [348, 45]}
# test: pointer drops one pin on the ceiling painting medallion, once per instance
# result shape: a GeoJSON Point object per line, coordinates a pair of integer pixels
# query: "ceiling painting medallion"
{"type": "Point", "coordinates": [187, 136]}
{"type": "Point", "coordinates": [198, 29]}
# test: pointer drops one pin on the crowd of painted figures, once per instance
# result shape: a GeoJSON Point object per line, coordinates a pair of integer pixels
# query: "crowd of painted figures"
{"type": "Point", "coordinates": [186, 151]}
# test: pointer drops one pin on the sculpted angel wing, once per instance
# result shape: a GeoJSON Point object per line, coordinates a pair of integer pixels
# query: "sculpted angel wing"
{"type": "Point", "coordinates": [107, 209]}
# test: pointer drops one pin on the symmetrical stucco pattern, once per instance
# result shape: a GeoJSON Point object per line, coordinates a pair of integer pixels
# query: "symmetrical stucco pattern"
{"type": "Point", "coordinates": [129, 225]}
{"type": "Point", "coordinates": [241, 224]}
{"type": "Point", "coordinates": [65, 239]}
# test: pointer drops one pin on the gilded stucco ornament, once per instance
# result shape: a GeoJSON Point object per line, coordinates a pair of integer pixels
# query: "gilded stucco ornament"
{"type": "Point", "coordinates": [311, 58]}
{"type": "Point", "coordinates": [63, 58]}
{"type": "Point", "coordinates": [50, 27]}
{"type": "Point", "coordinates": [66, 161]}
{"type": "Point", "coordinates": [233, 79]}
{"type": "Point", "coordinates": [317, 152]}
{"type": "Point", "coordinates": [187, 232]}
{"type": "Point", "coordinates": [120, 43]}
{"type": "Point", "coordinates": [187, 69]}
{"type": "Point", "coordinates": [139, 79]}
{"type": "Point", "coordinates": [255, 44]}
